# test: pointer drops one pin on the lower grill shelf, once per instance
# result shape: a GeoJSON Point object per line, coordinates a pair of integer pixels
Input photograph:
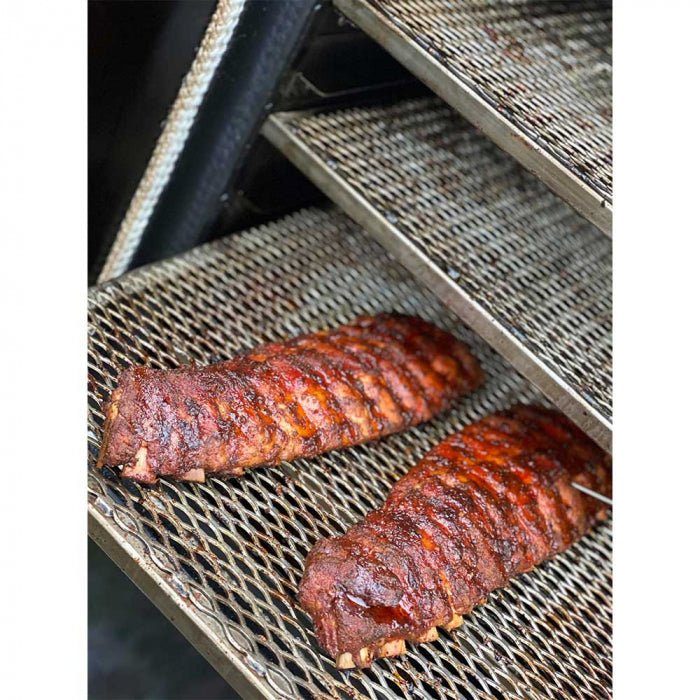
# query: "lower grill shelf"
{"type": "Point", "coordinates": [517, 264]}
{"type": "Point", "coordinates": [223, 560]}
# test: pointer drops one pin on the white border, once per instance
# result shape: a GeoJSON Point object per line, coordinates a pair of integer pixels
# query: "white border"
{"type": "Point", "coordinates": [43, 184]}
{"type": "Point", "coordinates": [657, 392]}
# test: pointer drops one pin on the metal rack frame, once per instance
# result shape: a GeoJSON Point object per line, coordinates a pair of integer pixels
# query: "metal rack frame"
{"type": "Point", "coordinates": [425, 57]}
{"type": "Point", "coordinates": [340, 152]}
{"type": "Point", "coordinates": [222, 559]}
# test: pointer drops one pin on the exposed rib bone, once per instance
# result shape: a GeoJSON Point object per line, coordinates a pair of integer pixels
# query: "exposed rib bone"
{"type": "Point", "coordinates": [196, 475]}
{"type": "Point", "coordinates": [392, 648]}
{"type": "Point", "coordinates": [139, 468]}
{"type": "Point", "coordinates": [344, 661]}
{"type": "Point", "coordinates": [454, 623]}
{"type": "Point", "coordinates": [430, 636]}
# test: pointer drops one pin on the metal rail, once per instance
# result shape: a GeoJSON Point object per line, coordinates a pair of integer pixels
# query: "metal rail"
{"type": "Point", "coordinates": [222, 560]}
{"type": "Point", "coordinates": [535, 77]}
{"type": "Point", "coordinates": [509, 257]}
{"type": "Point", "coordinates": [595, 494]}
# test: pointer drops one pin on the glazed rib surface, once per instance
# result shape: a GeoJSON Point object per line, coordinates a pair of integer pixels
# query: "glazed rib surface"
{"type": "Point", "coordinates": [314, 393]}
{"type": "Point", "coordinates": [489, 502]}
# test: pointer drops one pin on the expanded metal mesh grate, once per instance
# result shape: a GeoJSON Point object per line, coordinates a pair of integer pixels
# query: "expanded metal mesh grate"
{"type": "Point", "coordinates": [229, 554]}
{"type": "Point", "coordinates": [539, 71]}
{"type": "Point", "coordinates": [493, 236]}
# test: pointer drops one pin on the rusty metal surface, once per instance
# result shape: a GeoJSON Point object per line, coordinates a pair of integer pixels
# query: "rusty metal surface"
{"type": "Point", "coordinates": [223, 560]}
{"type": "Point", "coordinates": [509, 257]}
{"type": "Point", "coordinates": [535, 76]}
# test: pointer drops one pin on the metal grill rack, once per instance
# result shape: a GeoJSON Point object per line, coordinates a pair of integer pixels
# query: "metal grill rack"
{"type": "Point", "coordinates": [534, 76]}
{"type": "Point", "coordinates": [223, 560]}
{"type": "Point", "coordinates": [507, 255]}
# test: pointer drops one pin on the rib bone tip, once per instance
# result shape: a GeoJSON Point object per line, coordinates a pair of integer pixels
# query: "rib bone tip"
{"type": "Point", "coordinates": [344, 661]}
{"type": "Point", "coordinates": [393, 648]}
{"type": "Point", "coordinates": [196, 475]}
{"type": "Point", "coordinates": [430, 636]}
{"type": "Point", "coordinates": [454, 623]}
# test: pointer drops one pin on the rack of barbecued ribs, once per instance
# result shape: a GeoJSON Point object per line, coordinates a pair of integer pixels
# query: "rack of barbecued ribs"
{"type": "Point", "coordinates": [489, 502]}
{"type": "Point", "coordinates": [300, 398]}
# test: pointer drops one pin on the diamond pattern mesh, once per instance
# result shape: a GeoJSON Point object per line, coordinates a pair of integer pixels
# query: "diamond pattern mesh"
{"type": "Point", "coordinates": [539, 270]}
{"type": "Point", "coordinates": [232, 551]}
{"type": "Point", "coordinates": [545, 66]}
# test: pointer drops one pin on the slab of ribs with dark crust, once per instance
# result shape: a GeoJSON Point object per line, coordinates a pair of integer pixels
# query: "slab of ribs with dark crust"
{"type": "Point", "coordinates": [489, 502]}
{"type": "Point", "coordinates": [318, 392]}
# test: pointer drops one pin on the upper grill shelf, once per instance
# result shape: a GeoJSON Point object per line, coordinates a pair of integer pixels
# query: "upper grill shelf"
{"type": "Point", "coordinates": [515, 262]}
{"type": "Point", "coordinates": [223, 559]}
{"type": "Point", "coordinates": [533, 76]}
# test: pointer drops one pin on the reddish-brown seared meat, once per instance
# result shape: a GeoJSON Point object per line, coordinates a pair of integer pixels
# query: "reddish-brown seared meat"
{"type": "Point", "coordinates": [308, 395]}
{"type": "Point", "coordinates": [489, 502]}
